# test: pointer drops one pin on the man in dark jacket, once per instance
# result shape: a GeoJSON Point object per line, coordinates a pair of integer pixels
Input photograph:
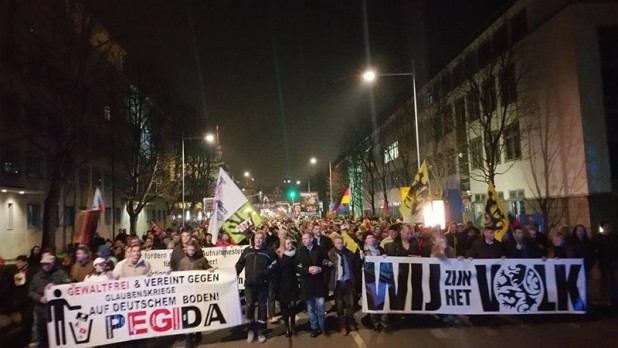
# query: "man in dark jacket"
{"type": "Point", "coordinates": [486, 247]}
{"type": "Point", "coordinates": [341, 282]}
{"type": "Point", "coordinates": [48, 275]}
{"type": "Point", "coordinates": [179, 250]}
{"type": "Point", "coordinates": [22, 279]}
{"type": "Point", "coordinates": [259, 264]}
{"type": "Point", "coordinates": [312, 262]}
{"type": "Point", "coordinates": [321, 240]}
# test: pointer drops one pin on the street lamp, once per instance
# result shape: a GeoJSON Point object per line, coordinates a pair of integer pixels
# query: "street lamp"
{"type": "Point", "coordinates": [208, 138]}
{"type": "Point", "coordinates": [313, 160]}
{"type": "Point", "coordinates": [370, 75]}
{"type": "Point", "coordinates": [247, 174]}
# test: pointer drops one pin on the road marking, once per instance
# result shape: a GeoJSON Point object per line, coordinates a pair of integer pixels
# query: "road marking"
{"type": "Point", "coordinates": [439, 333]}
{"type": "Point", "coordinates": [358, 339]}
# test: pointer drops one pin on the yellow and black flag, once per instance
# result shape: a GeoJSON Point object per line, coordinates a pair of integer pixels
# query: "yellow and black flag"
{"type": "Point", "coordinates": [495, 215]}
{"type": "Point", "coordinates": [418, 195]}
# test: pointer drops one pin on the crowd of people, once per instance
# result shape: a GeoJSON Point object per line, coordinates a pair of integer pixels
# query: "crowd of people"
{"type": "Point", "coordinates": [289, 261]}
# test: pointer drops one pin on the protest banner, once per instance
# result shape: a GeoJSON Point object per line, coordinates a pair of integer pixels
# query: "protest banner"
{"type": "Point", "coordinates": [453, 286]}
{"type": "Point", "coordinates": [97, 313]}
{"type": "Point", "coordinates": [220, 257]}
{"type": "Point", "coordinates": [309, 204]}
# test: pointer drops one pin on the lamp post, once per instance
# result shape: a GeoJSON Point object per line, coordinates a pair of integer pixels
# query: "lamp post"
{"type": "Point", "coordinates": [370, 76]}
{"type": "Point", "coordinates": [209, 139]}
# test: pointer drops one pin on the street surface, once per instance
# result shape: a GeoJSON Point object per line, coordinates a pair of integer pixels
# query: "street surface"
{"type": "Point", "coordinates": [428, 331]}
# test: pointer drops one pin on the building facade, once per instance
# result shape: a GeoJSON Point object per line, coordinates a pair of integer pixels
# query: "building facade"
{"type": "Point", "coordinates": [529, 102]}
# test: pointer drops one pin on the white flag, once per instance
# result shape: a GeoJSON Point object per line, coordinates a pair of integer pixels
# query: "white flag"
{"type": "Point", "coordinates": [228, 198]}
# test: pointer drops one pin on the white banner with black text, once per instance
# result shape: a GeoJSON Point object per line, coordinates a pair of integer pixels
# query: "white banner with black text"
{"type": "Point", "coordinates": [453, 286]}
{"type": "Point", "coordinates": [219, 257]}
{"type": "Point", "coordinates": [133, 308]}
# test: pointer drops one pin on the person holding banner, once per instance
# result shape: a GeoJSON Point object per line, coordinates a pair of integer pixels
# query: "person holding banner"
{"type": "Point", "coordinates": [312, 262]}
{"type": "Point", "coordinates": [179, 251]}
{"type": "Point", "coordinates": [487, 247]}
{"type": "Point", "coordinates": [371, 248]}
{"type": "Point", "coordinates": [132, 265]}
{"type": "Point", "coordinates": [192, 261]}
{"type": "Point", "coordinates": [48, 275]}
{"type": "Point", "coordinates": [259, 264]}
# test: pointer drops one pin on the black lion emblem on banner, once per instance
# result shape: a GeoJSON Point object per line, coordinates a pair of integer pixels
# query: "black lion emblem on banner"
{"type": "Point", "coordinates": [519, 288]}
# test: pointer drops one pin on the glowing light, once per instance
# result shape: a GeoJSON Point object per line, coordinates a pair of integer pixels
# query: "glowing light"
{"type": "Point", "coordinates": [433, 214]}
{"type": "Point", "coordinates": [21, 192]}
{"type": "Point", "coordinates": [369, 75]}
{"type": "Point", "coordinates": [210, 138]}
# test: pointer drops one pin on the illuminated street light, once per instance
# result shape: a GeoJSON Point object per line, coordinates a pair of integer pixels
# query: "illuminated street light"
{"type": "Point", "coordinates": [313, 160]}
{"type": "Point", "coordinates": [297, 182]}
{"type": "Point", "coordinates": [247, 174]}
{"type": "Point", "coordinates": [210, 138]}
{"type": "Point", "coordinates": [369, 75]}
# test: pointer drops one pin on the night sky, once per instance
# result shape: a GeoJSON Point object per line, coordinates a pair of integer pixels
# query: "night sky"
{"type": "Point", "coordinates": [281, 78]}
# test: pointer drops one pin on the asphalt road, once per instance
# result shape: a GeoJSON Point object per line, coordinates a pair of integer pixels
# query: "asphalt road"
{"type": "Point", "coordinates": [599, 330]}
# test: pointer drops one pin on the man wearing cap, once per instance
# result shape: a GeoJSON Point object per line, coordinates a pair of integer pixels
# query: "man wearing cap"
{"type": "Point", "coordinates": [47, 276]}
{"type": "Point", "coordinates": [100, 272]}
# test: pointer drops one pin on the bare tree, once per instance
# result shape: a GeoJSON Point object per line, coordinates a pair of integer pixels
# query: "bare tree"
{"type": "Point", "coordinates": [142, 128]}
{"type": "Point", "coordinates": [490, 81]}
{"type": "Point", "coordinates": [552, 179]}
{"type": "Point", "coordinates": [62, 58]}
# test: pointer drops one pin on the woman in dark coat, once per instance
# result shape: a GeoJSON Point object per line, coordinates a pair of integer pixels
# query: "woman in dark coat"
{"type": "Point", "coordinates": [287, 287]}
{"type": "Point", "coordinates": [583, 248]}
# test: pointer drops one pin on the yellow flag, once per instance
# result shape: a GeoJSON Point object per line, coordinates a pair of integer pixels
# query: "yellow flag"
{"type": "Point", "coordinates": [495, 215]}
{"type": "Point", "coordinates": [417, 195]}
{"type": "Point", "coordinates": [350, 244]}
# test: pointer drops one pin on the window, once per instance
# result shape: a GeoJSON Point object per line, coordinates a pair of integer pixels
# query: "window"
{"type": "Point", "coordinates": [69, 216]}
{"type": "Point", "coordinates": [392, 152]}
{"type": "Point", "coordinates": [512, 142]}
{"type": "Point", "coordinates": [107, 113]}
{"type": "Point", "coordinates": [519, 26]}
{"type": "Point", "coordinates": [517, 202]}
{"type": "Point", "coordinates": [429, 98]}
{"type": "Point", "coordinates": [108, 216]}
{"type": "Point", "coordinates": [488, 97]}
{"type": "Point", "coordinates": [34, 215]}
{"type": "Point", "coordinates": [117, 216]}
{"type": "Point", "coordinates": [447, 118]}
{"type": "Point", "coordinates": [500, 41]}
{"type": "Point", "coordinates": [508, 85]}
{"type": "Point", "coordinates": [471, 64]}
{"type": "Point", "coordinates": [476, 153]}
{"type": "Point", "coordinates": [10, 220]}
{"type": "Point", "coordinates": [484, 52]}
{"type": "Point", "coordinates": [460, 113]}
{"type": "Point", "coordinates": [10, 162]}
{"type": "Point", "coordinates": [474, 113]}
{"type": "Point", "coordinates": [97, 178]}
{"type": "Point", "coordinates": [34, 166]}
{"type": "Point", "coordinates": [84, 177]}
{"type": "Point", "coordinates": [107, 180]}
{"type": "Point", "coordinates": [437, 128]}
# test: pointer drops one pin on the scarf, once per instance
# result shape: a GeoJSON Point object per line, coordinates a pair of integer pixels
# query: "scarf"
{"type": "Point", "coordinates": [290, 253]}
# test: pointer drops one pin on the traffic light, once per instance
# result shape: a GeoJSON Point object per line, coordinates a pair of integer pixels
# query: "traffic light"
{"type": "Point", "coordinates": [292, 194]}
